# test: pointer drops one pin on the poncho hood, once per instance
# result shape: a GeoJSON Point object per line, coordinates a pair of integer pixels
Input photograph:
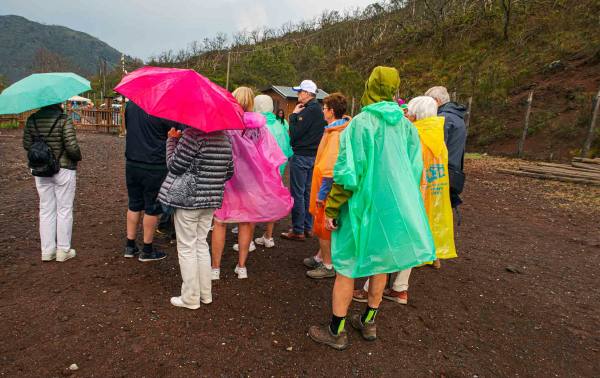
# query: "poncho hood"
{"type": "Point", "coordinates": [254, 120]}
{"type": "Point", "coordinates": [431, 132]}
{"type": "Point", "coordinates": [388, 111]}
{"type": "Point", "coordinates": [381, 85]}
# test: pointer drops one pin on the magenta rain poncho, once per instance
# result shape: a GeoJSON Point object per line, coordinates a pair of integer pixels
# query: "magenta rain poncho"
{"type": "Point", "coordinates": [256, 192]}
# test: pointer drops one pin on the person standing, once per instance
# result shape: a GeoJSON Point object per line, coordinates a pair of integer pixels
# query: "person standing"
{"type": "Point", "coordinates": [334, 108]}
{"type": "Point", "coordinates": [145, 171]}
{"type": "Point", "coordinates": [199, 165]}
{"type": "Point", "coordinates": [56, 189]}
{"type": "Point", "coordinates": [307, 124]}
{"type": "Point", "coordinates": [375, 207]}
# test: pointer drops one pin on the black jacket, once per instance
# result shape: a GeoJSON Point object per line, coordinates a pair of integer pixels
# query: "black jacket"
{"type": "Point", "coordinates": [199, 164]}
{"type": "Point", "coordinates": [306, 129]}
{"type": "Point", "coordinates": [455, 133]}
{"type": "Point", "coordinates": [61, 141]}
{"type": "Point", "coordinates": [146, 136]}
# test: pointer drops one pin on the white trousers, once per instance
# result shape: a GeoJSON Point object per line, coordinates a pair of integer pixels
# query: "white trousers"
{"type": "Point", "coordinates": [191, 227]}
{"type": "Point", "coordinates": [400, 282]}
{"type": "Point", "coordinates": [56, 210]}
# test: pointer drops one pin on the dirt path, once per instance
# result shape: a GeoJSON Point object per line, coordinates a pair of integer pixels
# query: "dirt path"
{"type": "Point", "coordinates": [111, 316]}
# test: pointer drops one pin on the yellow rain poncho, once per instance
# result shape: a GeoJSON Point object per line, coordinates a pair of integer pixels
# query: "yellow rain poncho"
{"type": "Point", "coordinates": [435, 186]}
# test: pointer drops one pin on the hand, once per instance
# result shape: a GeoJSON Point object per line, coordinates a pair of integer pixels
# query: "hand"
{"type": "Point", "coordinates": [330, 224]}
{"type": "Point", "coordinates": [174, 133]}
{"type": "Point", "coordinates": [320, 203]}
{"type": "Point", "coordinates": [298, 108]}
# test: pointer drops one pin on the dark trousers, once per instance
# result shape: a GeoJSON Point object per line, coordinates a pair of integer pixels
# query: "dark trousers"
{"type": "Point", "coordinates": [301, 170]}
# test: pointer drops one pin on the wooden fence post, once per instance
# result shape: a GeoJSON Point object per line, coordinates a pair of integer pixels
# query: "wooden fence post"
{"type": "Point", "coordinates": [590, 137]}
{"type": "Point", "coordinates": [522, 141]}
{"type": "Point", "coordinates": [352, 108]}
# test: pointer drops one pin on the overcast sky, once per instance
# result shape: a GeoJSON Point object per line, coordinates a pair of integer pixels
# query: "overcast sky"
{"type": "Point", "coordinates": [142, 28]}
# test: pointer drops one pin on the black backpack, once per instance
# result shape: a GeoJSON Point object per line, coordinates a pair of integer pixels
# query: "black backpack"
{"type": "Point", "coordinates": [42, 161]}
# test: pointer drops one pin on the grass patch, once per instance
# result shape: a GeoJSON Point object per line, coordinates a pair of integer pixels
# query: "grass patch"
{"type": "Point", "coordinates": [9, 125]}
{"type": "Point", "coordinates": [475, 156]}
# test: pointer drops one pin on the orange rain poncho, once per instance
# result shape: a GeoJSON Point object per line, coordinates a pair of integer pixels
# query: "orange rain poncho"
{"type": "Point", "coordinates": [435, 186]}
{"type": "Point", "coordinates": [327, 154]}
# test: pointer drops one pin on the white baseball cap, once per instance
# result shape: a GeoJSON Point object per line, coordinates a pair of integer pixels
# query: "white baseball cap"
{"type": "Point", "coordinates": [307, 86]}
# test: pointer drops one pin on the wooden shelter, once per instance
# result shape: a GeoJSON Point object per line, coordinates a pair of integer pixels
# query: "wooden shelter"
{"type": "Point", "coordinates": [286, 98]}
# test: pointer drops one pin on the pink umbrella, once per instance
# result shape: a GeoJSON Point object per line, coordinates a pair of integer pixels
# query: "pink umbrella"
{"type": "Point", "coordinates": [182, 96]}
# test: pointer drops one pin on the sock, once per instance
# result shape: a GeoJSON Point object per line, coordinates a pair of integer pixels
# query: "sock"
{"type": "Point", "coordinates": [328, 266]}
{"type": "Point", "coordinates": [337, 324]}
{"type": "Point", "coordinates": [318, 259]}
{"type": "Point", "coordinates": [147, 248]}
{"type": "Point", "coordinates": [131, 243]}
{"type": "Point", "coordinates": [369, 315]}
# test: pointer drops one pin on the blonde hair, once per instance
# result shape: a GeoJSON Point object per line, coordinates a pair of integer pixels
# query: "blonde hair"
{"type": "Point", "coordinates": [245, 97]}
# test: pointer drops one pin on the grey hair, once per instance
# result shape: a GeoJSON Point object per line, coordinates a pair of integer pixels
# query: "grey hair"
{"type": "Point", "coordinates": [263, 104]}
{"type": "Point", "coordinates": [422, 107]}
{"type": "Point", "coordinates": [439, 93]}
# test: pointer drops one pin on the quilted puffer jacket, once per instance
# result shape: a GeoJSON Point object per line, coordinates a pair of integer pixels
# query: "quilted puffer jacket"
{"type": "Point", "coordinates": [62, 140]}
{"type": "Point", "coordinates": [199, 164]}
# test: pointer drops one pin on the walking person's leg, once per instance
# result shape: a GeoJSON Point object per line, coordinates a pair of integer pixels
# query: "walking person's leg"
{"type": "Point", "coordinates": [65, 184]}
{"type": "Point", "coordinates": [47, 214]}
{"type": "Point", "coordinates": [217, 245]}
{"type": "Point", "coordinates": [203, 255]}
{"type": "Point", "coordinates": [186, 226]}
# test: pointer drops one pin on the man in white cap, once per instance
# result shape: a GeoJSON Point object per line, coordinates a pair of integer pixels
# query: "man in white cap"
{"type": "Point", "coordinates": [306, 130]}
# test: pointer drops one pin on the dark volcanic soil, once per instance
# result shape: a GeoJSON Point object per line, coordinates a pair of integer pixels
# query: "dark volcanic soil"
{"type": "Point", "coordinates": [111, 316]}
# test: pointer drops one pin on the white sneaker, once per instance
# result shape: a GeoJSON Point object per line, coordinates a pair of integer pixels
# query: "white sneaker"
{"type": "Point", "coordinates": [178, 302]}
{"type": "Point", "coordinates": [235, 230]}
{"type": "Point", "coordinates": [268, 243]}
{"type": "Point", "coordinates": [215, 274]}
{"type": "Point", "coordinates": [236, 247]}
{"type": "Point", "coordinates": [241, 272]}
{"type": "Point", "coordinates": [62, 256]}
{"type": "Point", "coordinates": [48, 256]}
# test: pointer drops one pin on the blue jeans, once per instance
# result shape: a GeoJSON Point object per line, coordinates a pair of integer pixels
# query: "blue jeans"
{"type": "Point", "coordinates": [301, 170]}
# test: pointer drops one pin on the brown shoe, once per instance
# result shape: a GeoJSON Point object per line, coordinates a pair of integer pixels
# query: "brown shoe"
{"type": "Point", "coordinates": [396, 296]}
{"type": "Point", "coordinates": [323, 335]}
{"type": "Point", "coordinates": [360, 296]}
{"type": "Point", "coordinates": [291, 235]}
{"type": "Point", "coordinates": [308, 234]}
{"type": "Point", "coordinates": [368, 331]}
{"type": "Point", "coordinates": [437, 264]}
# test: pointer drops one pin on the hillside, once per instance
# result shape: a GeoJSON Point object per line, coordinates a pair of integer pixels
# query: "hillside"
{"type": "Point", "coordinates": [27, 47]}
{"type": "Point", "coordinates": [492, 51]}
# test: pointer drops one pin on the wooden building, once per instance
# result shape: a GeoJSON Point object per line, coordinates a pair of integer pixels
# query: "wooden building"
{"type": "Point", "coordinates": [286, 98]}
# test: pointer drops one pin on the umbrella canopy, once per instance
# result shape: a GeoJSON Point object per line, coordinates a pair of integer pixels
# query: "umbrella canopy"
{"type": "Point", "coordinates": [182, 96]}
{"type": "Point", "coordinates": [38, 90]}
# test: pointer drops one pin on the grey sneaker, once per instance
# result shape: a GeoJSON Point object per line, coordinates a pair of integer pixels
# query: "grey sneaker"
{"type": "Point", "coordinates": [368, 331]}
{"type": "Point", "coordinates": [321, 272]}
{"type": "Point", "coordinates": [62, 255]}
{"type": "Point", "coordinates": [310, 262]}
{"type": "Point", "coordinates": [323, 335]}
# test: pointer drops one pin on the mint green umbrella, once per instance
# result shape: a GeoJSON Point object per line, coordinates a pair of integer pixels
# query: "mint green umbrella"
{"type": "Point", "coordinates": [39, 90]}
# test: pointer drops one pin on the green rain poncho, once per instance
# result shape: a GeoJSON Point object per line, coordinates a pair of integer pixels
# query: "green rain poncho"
{"type": "Point", "coordinates": [281, 133]}
{"type": "Point", "coordinates": [383, 227]}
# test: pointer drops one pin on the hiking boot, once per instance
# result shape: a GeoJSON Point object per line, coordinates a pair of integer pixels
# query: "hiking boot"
{"type": "Point", "coordinates": [155, 255]}
{"type": "Point", "coordinates": [323, 335]}
{"type": "Point", "coordinates": [396, 296]}
{"type": "Point", "coordinates": [178, 302]}
{"type": "Point", "coordinates": [311, 262]}
{"type": "Point", "coordinates": [215, 274]}
{"type": "Point", "coordinates": [368, 330]}
{"type": "Point", "coordinates": [131, 252]}
{"type": "Point", "coordinates": [62, 256]}
{"type": "Point", "coordinates": [321, 272]}
{"type": "Point", "coordinates": [252, 248]}
{"type": "Point", "coordinates": [241, 272]}
{"type": "Point", "coordinates": [360, 295]}
{"type": "Point", "coordinates": [291, 235]}
{"type": "Point", "coordinates": [264, 241]}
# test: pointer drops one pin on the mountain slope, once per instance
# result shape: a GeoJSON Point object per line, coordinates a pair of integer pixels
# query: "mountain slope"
{"type": "Point", "coordinates": [27, 47]}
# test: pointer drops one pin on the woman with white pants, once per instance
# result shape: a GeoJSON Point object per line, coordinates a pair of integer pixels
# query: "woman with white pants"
{"type": "Point", "coordinates": [57, 192]}
{"type": "Point", "coordinates": [199, 164]}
